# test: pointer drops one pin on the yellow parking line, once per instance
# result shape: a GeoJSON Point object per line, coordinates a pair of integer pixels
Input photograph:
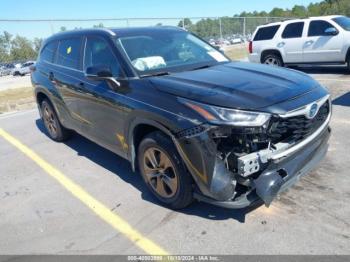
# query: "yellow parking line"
{"type": "Point", "coordinates": [97, 207]}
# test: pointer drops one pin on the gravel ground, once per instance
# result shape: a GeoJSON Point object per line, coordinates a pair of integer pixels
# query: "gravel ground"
{"type": "Point", "coordinates": [10, 82]}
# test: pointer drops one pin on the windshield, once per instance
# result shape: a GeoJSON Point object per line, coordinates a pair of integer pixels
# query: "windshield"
{"type": "Point", "coordinates": [343, 21]}
{"type": "Point", "coordinates": [168, 51]}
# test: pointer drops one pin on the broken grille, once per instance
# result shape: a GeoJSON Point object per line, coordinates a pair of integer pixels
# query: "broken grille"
{"type": "Point", "coordinates": [297, 127]}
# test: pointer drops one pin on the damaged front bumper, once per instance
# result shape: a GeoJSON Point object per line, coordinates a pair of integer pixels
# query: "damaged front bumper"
{"type": "Point", "coordinates": [265, 173]}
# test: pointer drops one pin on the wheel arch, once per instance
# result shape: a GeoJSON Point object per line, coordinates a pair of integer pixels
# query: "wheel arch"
{"type": "Point", "coordinates": [40, 96]}
{"type": "Point", "coordinates": [138, 129]}
{"type": "Point", "coordinates": [347, 57]}
{"type": "Point", "coordinates": [270, 51]}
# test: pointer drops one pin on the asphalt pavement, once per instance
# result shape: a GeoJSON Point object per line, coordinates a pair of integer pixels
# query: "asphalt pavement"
{"type": "Point", "coordinates": [41, 214]}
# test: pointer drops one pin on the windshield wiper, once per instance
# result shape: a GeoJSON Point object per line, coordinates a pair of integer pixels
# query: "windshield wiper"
{"type": "Point", "coordinates": [162, 73]}
{"type": "Point", "coordinates": [201, 67]}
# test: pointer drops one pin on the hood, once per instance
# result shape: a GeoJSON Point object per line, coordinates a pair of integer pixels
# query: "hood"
{"type": "Point", "coordinates": [237, 85]}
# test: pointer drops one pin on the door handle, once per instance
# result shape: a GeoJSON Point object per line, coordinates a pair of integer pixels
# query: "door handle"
{"type": "Point", "coordinates": [51, 77]}
{"type": "Point", "coordinates": [309, 42]}
{"type": "Point", "coordinates": [81, 86]}
{"type": "Point", "coordinates": [281, 44]}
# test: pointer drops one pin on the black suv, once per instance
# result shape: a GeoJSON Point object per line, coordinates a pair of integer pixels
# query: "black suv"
{"type": "Point", "coordinates": [194, 123]}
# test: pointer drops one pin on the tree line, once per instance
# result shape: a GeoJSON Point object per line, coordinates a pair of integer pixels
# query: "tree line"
{"type": "Point", "coordinates": [210, 28]}
{"type": "Point", "coordinates": [19, 48]}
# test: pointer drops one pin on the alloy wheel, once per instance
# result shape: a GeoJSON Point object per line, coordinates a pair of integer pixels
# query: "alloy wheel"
{"type": "Point", "coordinates": [50, 121]}
{"type": "Point", "coordinates": [160, 172]}
{"type": "Point", "coordinates": [271, 61]}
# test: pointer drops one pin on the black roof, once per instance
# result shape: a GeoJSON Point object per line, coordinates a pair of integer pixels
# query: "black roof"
{"type": "Point", "coordinates": [124, 31]}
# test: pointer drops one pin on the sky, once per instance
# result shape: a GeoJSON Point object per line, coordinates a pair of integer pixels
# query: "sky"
{"type": "Point", "coordinates": [75, 9]}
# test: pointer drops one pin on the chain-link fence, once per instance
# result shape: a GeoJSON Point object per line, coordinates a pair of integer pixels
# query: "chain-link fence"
{"type": "Point", "coordinates": [23, 37]}
{"type": "Point", "coordinates": [207, 27]}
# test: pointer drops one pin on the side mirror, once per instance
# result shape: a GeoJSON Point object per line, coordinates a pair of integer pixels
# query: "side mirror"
{"type": "Point", "coordinates": [331, 31]}
{"type": "Point", "coordinates": [219, 48]}
{"type": "Point", "coordinates": [100, 72]}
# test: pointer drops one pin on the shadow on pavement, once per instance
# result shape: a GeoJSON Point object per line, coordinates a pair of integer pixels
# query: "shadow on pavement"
{"type": "Point", "coordinates": [343, 100]}
{"type": "Point", "coordinates": [337, 70]}
{"type": "Point", "coordinates": [122, 168]}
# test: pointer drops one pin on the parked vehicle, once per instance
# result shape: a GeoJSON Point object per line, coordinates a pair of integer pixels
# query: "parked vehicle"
{"type": "Point", "coordinates": [194, 124]}
{"type": "Point", "coordinates": [6, 69]}
{"type": "Point", "coordinates": [2, 71]}
{"type": "Point", "coordinates": [15, 70]}
{"type": "Point", "coordinates": [315, 40]}
{"type": "Point", "coordinates": [23, 69]}
{"type": "Point", "coordinates": [237, 40]}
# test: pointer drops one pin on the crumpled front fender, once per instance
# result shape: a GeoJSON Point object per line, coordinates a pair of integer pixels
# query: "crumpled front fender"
{"type": "Point", "coordinates": [199, 152]}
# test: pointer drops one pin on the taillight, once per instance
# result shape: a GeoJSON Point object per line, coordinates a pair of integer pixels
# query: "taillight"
{"type": "Point", "coordinates": [250, 47]}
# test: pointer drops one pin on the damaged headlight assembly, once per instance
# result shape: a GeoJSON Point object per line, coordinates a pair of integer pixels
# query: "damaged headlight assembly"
{"type": "Point", "coordinates": [228, 116]}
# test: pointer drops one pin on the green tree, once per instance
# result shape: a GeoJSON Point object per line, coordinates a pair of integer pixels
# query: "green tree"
{"type": "Point", "coordinates": [185, 23]}
{"type": "Point", "coordinates": [22, 49]}
{"type": "Point", "coordinates": [299, 11]}
{"type": "Point", "coordinates": [5, 46]}
{"type": "Point", "coordinates": [277, 12]}
{"type": "Point", "coordinates": [37, 42]}
{"type": "Point", "coordinates": [63, 28]}
{"type": "Point", "coordinates": [100, 25]}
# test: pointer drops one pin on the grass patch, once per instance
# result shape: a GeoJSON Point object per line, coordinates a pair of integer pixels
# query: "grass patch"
{"type": "Point", "coordinates": [16, 99]}
{"type": "Point", "coordinates": [236, 52]}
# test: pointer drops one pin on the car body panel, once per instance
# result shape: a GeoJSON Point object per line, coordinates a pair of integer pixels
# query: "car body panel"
{"type": "Point", "coordinates": [306, 49]}
{"type": "Point", "coordinates": [234, 85]}
{"type": "Point", "coordinates": [109, 112]}
{"type": "Point", "coordinates": [324, 48]}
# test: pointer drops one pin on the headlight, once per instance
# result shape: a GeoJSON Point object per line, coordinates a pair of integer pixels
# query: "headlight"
{"type": "Point", "coordinates": [228, 116]}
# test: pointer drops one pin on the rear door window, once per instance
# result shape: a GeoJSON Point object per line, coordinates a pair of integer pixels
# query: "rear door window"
{"type": "Point", "coordinates": [48, 52]}
{"type": "Point", "coordinates": [69, 52]}
{"type": "Point", "coordinates": [266, 33]}
{"type": "Point", "coordinates": [318, 28]}
{"type": "Point", "coordinates": [293, 30]}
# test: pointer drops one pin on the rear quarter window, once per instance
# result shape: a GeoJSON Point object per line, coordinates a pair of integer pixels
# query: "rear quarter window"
{"type": "Point", "coordinates": [69, 51]}
{"type": "Point", "coordinates": [266, 33]}
{"type": "Point", "coordinates": [48, 52]}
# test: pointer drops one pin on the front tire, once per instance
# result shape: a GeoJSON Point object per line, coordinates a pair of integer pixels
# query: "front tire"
{"type": "Point", "coordinates": [52, 124]}
{"type": "Point", "coordinates": [273, 60]}
{"type": "Point", "coordinates": [163, 171]}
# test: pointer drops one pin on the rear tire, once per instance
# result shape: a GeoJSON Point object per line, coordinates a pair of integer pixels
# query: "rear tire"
{"type": "Point", "coordinates": [273, 60]}
{"type": "Point", "coordinates": [52, 124]}
{"type": "Point", "coordinates": [163, 171]}
{"type": "Point", "coordinates": [348, 63]}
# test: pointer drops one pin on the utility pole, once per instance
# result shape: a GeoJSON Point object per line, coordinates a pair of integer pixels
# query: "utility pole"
{"type": "Point", "coordinates": [51, 26]}
{"type": "Point", "coordinates": [244, 26]}
{"type": "Point", "coordinates": [220, 27]}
